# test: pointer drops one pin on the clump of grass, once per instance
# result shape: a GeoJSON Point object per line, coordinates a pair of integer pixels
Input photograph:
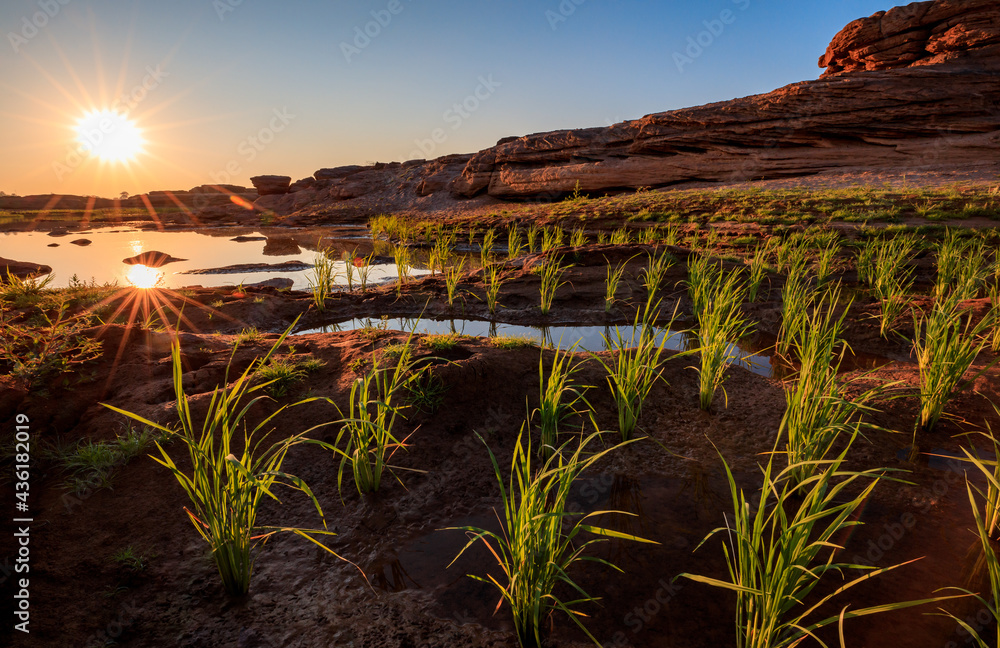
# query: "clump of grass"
{"type": "Point", "coordinates": [442, 341]}
{"type": "Point", "coordinates": [552, 237]}
{"type": "Point", "coordinates": [946, 344]}
{"type": "Point", "coordinates": [34, 355]}
{"type": "Point", "coordinates": [577, 237]}
{"type": "Point", "coordinates": [612, 283]}
{"type": "Point", "coordinates": [226, 490]}
{"type": "Point", "coordinates": [637, 366]}
{"type": "Point", "coordinates": [890, 275]}
{"type": "Point", "coordinates": [131, 559]}
{"type": "Point", "coordinates": [825, 262]}
{"type": "Point", "coordinates": [558, 398]}
{"type": "Point", "coordinates": [278, 374]}
{"type": "Point", "coordinates": [621, 236]}
{"type": "Point", "coordinates": [21, 293]}
{"type": "Point", "coordinates": [426, 392]}
{"type": "Point", "coordinates": [367, 428]}
{"type": "Point", "coordinates": [452, 275]}
{"type": "Point", "coordinates": [249, 335]}
{"type": "Point", "coordinates": [322, 279]}
{"type": "Point", "coordinates": [551, 274]}
{"type": "Point", "coordinates": [721, 322]}
{"type": "Point", "coordinates": [509, 342]}
{"type": "Point", "coordinates": [780, 549]}
{"type": "Point", "coordinates": [541, 542]}
{"type": "Point", "coordinates": [94, 464]}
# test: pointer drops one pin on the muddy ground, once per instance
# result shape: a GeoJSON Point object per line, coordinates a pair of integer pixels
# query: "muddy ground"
{"type": "Point", "coordinates": [408, 597]}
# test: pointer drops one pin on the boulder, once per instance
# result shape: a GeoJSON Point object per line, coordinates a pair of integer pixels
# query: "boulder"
{"type": "Point", "coordinates": [82, 242]}
{"type": "Point", "coordinates": [271, 185]}
{"type": "Point", "coordinates": [151, 259]}
{"type": "Point", "coordinates": [21, 269]}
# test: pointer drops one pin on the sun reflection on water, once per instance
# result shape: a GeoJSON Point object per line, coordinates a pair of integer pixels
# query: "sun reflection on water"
{"type": "Point", "coordinates": [142, 276]}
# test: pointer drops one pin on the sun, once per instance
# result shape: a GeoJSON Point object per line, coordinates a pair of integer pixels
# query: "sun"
{"type": "Point", "coordinates": [109, 135]}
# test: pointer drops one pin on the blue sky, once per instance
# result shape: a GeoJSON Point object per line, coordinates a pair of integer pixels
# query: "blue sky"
{"type": "Point", "coordinates": [222, 76]}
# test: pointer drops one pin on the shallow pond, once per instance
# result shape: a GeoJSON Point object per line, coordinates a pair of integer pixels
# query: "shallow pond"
{"type": "Point", "coordinates": [102, 260]}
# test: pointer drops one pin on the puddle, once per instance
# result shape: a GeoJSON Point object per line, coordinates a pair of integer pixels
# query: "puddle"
{"type": "Point", "coordinates": [101, 260]}
{"type": "Point", "coordinates": [587, 338]}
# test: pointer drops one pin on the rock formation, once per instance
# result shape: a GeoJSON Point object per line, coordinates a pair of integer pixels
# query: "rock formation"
{"type": "Point", "coordinates": [21, 269]}
{"type": "Point", "coordinates": [915, 87]}
{"type": "Point", "coordinates": [271, 185]}
{"type": "Point", "coordinates": [151, 259]}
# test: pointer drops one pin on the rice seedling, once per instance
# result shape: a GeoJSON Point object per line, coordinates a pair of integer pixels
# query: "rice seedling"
{"type": "Point", "coordinates": [366, 430]}
{"type": "Point", "coordinates": [825, 262]}
{"type": "Point", "coordinates": [364, 269]}
{"type": "Point", "coordinates": [720, 322]}
{"type": "Point", "coordinates": [494, 276]}
{"type": "Point", "coordinates": [993, 317]}
{"type": "Point", "coordinates": [960, 268]}
{"type": "Point", "coordinates": [558, 398]}
{"type": "Point", "coordinates": [226, 489]}
{"type": "Point", "coordinates": [349, 268]}
{"type": "Point", "coordinates": [602, 238]}
{"type": "Point", "coordinates": [780, 549]}
{"type": "Point", "coordinates": [649, 236]}
{"type": "Point", "coordinates": [401, 255]}
{"type": "Point", "coordinates": [946, 344]}
{"type": "Point", "coordinates": [322, 279]}
{"type": "Point", "coordinates": [637, 365]}
{"type": "Point", "coordinates": [758, 271]}
{"type": "Point", "coordinates": [486, 249]}
{"type": "Point", "coordinates": [620, 237]}
{"type": "Point", "coordinates": [655, 272]}
{"type": "Point", "coordinates": [515, 242]}
{"type": "Point", "coordinates": [552, 238]}
{"type": "Point", "coordinates": [797, 296]}
{"type": "Point", "coordinates": [671, 235]}
{"type": "Point", "coordinates": [577, 238]}
{"type": "Point", "coordinates": [890, 277]}
{"type": "Point", "coordinates": [551, 274]}
{"type": "Point", "coordinates": [452, 274]}
{"type": "Point", "coordinates": [612, 283]}
{"type": "Point", "coordinates": [532, 235]}
{"type": "Point", "coordinates": [541, 542]}
{"type": "Point", "coordinates": [441, 251]}
{"type": "Point", "coordinates": [818, 410]}
{"type": "Point", "coordinates": [986, 533]}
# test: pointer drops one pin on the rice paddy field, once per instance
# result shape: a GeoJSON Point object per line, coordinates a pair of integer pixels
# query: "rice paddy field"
{"type": "Point", "coordinates": [741, 417]}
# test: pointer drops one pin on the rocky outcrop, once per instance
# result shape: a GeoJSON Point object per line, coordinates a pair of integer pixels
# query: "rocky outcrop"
{"type": "Point", "coordinates": [201, 197]}
{"type": "Point", "coordinates": [21, 269]}
{"type": "Point", "coordinates": [271, 185]}
{"type": "Point", "coordinates": [151, 259]}
{"type": "Point", "coordinates": [921, 33]}
{"type": "Point", "coordinates": [913, 88]}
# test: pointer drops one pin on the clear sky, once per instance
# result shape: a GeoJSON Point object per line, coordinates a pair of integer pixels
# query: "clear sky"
{"type": "Point", "coordinates": [225, 89]}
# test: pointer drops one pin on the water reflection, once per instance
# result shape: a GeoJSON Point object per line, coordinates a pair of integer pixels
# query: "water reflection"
{"type": "Point", "coordinates": [142, 276]}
